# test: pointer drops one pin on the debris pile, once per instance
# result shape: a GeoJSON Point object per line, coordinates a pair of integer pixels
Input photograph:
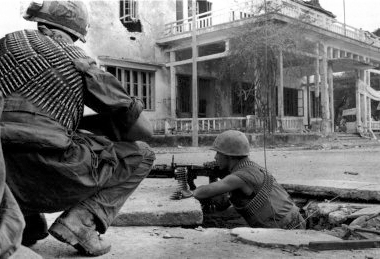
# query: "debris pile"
{"type": "Point", "coordinates": [345, 220]}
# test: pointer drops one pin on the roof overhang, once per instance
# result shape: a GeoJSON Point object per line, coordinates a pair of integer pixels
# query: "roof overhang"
{"type": "Point", "coordinates": [129, 63]}
{"type": "Point", "coordinates": [349, 64]}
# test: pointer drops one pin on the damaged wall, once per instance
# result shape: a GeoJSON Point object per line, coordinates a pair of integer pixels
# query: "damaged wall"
{"type": "Point", "coordinates": [107, 36]}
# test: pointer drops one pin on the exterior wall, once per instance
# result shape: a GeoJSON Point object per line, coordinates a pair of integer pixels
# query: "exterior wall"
{"type": "Point", "coordinates": [108, 37]}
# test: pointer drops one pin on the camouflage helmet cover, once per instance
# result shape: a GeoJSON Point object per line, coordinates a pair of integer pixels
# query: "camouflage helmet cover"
{"type": "Point", "coordinates": [231, 143]}
{"type": "Point", "coordinates": [70, 16]}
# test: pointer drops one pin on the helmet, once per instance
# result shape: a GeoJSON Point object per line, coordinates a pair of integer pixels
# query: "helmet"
{"type": "Point", "coordinates": [70, 16]}
{"type": "Point", "coordinates": [231, 143]}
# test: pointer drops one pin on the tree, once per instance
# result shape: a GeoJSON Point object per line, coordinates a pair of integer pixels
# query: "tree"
{"type": "Point", "coordinates": [254, 56]}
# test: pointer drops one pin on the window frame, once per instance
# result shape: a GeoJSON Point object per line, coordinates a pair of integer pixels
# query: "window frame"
{"type": "Point", "coordinates": [128, 11]}
{"type": "Point", "coordinates": [132, 81]}
{"type": "Point", "coordinates": [293, 102]}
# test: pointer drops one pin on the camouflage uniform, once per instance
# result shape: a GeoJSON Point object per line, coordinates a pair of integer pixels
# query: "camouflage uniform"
{"type": "Point", "coordinates": [51, 165]}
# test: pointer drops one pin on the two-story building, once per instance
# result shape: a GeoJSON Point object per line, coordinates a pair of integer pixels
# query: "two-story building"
{"type": "Point", "coordinates": [148, 45]}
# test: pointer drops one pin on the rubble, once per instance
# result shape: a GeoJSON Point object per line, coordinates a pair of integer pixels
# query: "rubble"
{"type": "Point", "coordinates": [327, 215]}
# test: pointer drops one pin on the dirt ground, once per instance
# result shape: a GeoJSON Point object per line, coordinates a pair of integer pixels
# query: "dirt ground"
{"type": "Point", "coordinates": [149, 242]}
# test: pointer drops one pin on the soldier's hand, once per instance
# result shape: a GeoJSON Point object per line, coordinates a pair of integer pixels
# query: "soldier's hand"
{"type": "Point", "coordinates": [83, 64]}
{"type": "Point", "coordinates": [186, 194]}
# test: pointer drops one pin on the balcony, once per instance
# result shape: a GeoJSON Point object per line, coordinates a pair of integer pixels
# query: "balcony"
{"type": "Point", "coordinates": [250, 123]}
{"type": "Point", "coordinates": [253, 8]}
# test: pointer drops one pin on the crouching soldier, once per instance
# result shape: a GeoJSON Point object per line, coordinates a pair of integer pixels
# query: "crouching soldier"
{"type": "Point", "coordinates": [254, 192]}
{"type": "Point", "coordinates": [51, 165]}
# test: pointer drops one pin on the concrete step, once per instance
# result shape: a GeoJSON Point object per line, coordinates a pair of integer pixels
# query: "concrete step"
{"type": "Point", "coordinates": [150, 205]}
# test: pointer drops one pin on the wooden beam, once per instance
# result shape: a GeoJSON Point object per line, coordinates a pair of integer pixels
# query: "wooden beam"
{"type": "Point", "coordinates": [302, 53]}
{"type": "Point", "coordinates": [198, 59]}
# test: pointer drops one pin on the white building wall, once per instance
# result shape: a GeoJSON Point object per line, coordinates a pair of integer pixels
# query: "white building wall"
{"type": "Point", "coordinates": [108, 37]}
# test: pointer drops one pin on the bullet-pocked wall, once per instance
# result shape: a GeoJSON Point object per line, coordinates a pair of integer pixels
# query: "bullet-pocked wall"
{"type": "Point", "coordinates": [108, 37]}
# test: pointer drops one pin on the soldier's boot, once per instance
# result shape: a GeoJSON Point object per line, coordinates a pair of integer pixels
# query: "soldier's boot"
{"type": "Point", "coordinates": [35, 229]}
{"type": "Point", "coordinates": [77, 227]}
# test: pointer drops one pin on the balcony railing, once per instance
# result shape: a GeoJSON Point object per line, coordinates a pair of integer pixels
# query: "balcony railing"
{"type": "Point", "coordinates": [375, 125]}
{"type": "Point", "coordinates": [253, 8]}
{"type": "Point", "coordinates": [250, 123]}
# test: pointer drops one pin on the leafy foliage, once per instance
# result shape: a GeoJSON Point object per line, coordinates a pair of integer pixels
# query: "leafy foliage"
{"type": "Point", "coordinates": [254, 58]}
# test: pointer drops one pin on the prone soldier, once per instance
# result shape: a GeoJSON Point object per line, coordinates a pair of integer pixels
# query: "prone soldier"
{"type": "Point", "coordinates": [254, 192]}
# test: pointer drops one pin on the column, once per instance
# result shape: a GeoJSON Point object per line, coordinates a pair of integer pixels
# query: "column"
{"type": "Point", "coordinates": [194, 78]}
{"type": "Point", "coordinates": [358, 114]}
{"type": "Point", "coordinates": [173, 95]}
{"type": "Point", "coordinates": [316, 74]}
{"type": "Point", "coordinates": [280, 87]}
{"type": "Point", "coordinates": [331, 96]}
{"type": "Point", "coordinates": [324, 90]}
{"type": "Point", "coordinates": [365, 115]}
{"type": "Point", "coordinates": [369, 101]}
{"type": "Point", "coordinates": [308, 108]}
{"type": "Point", "coordinates": [365, 100]}
{"type": "Point", "coordinates": [370, 114]}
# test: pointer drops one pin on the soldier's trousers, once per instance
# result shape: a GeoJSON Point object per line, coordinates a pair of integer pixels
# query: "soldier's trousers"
{"type": "Point", "coordinates": [93, 172]}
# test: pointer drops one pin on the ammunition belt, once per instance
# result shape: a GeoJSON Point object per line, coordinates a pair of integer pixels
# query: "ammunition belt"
{"type": "Point", "coordinates": [262, 196]}
{"type": "Point", "coordinates": [41, 70]}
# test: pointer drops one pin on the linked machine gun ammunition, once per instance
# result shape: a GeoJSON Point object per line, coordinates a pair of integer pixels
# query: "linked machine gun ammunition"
{"type": "Point", "coordinates": [209, 169]}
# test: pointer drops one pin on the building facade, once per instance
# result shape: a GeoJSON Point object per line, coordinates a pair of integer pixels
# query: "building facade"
{"type": "Point", "coordinates": [149, 44]}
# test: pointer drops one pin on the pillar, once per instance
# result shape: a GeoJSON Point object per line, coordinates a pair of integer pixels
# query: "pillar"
{"type": "Point", "coordinates": [324, 90]}
{"type": "Point", "coordinates": [357, 89]}
{"type": "Point", "coordinates": [173, 95]}
{"type": "Point", "coordinates": [194, 78]}
{"type": "Point", "coordinates": [308, 108]}
{"type": "Point", "coordinates": [280, 87]}
{"type": "Point", "coordinates": [331, 96]}
{"type": "Point", "coordinates": [316, 74]}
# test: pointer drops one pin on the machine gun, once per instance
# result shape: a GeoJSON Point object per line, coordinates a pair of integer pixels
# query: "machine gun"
{"type": "Point", "coordinates": [209, 169]}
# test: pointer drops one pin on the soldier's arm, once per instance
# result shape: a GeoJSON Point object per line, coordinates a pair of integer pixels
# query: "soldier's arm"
{"type": "Point", "coordinates": [105, 95]}
{"type": "Point", "coordinates": [227, 184]}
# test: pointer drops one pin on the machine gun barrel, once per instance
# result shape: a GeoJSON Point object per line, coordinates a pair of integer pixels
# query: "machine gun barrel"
{"type": "Point", "coordinates": [209, 169]}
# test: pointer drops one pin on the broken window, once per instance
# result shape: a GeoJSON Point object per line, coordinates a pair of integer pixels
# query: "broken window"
{"type": "Point", "coordinates": [137, 83]}
{"type": "Point", "coordinates": [128, 15]}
